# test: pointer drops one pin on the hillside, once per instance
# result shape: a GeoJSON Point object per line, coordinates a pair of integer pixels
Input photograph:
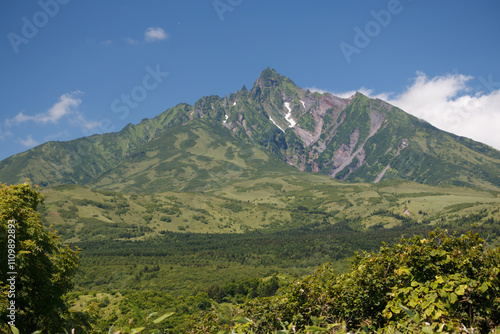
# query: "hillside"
{"type": "Point", "coordinates": [277, 202]}
{"type": "Point", "coordinates": [190, 147]}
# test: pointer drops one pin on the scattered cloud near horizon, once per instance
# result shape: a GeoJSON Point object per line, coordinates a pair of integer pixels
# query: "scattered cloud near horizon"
{"type": "Point", "coordinates": [449, 103]}
{"type": "Point", "coordinates": [66, 108]}
{"type": "Point", "coordinates": [29, 141]}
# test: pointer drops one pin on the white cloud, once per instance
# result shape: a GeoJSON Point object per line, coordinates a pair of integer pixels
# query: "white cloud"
{"type": "Point", "coordinates": [155, 34]}
{"type": "Point", "coordinates": [448, 103]}
{"type": "Point", "coordinates": [67, 104]}
{"type": "Point", "coordinates": [152, 34]}
{"type": "Point", "coordinates": [29, 141]}
{"type": "Point", "coordinates": [66, 107]}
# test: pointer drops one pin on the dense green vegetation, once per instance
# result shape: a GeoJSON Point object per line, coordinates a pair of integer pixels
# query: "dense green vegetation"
{"type": "Point", "coordinates": [37, 269]}
{"type": "Point", "coordinates": [440, 283]}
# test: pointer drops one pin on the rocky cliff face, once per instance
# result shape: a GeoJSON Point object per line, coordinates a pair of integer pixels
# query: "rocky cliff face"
{"type": "Point", "coordinates": [357, 138]}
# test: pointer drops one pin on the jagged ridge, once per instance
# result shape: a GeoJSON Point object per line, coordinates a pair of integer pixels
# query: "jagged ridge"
{"type": "Point", "coordinates": [354, 139]}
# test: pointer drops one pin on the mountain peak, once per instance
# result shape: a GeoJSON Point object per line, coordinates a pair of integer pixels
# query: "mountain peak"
{"type": "Point", "coordinates": [269, 78]}
{"type": "Point", "coordinates": [354, 139]}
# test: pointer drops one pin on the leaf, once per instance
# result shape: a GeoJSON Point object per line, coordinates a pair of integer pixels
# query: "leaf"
{"type": "Point", "coordinates": [437, 315]}
{"type": "Point", "coordinates": [460, 290]}
{"type": "Point", "coordinates": [137, 330]}
{"type": "Point", "coordinates": [163, 317]}
{"type": "Point", "coordinates": [111, 329]}
{"type": "Point", "coordinates": [402, 270]}
{"type": "Point", "coordinates": [428, 330]}
{"type": "Point", "coordinates": [483, 287]}
{"type": "Point", "coordinates": [243, 320]}
{"type": "Point", "coordinates": [429, 310]}
{"type": "Point", "coordinates": [15, 330]}
{"type": "Point", "coordinates": [315, 329]}
{"type": "Point", "coordinates": [410, 313]}
{"type": "Point", "coordinates": [448, 287]}
{"type": "Point", "coordinates": [453, 297]}
{"type": "Point", "coordinates": [136, 310]}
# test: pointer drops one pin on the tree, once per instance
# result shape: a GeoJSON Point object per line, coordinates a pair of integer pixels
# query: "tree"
{"type": "Point", "coordinates": [37, 269]}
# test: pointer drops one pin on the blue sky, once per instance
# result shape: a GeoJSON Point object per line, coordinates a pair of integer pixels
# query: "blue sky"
{"type": "Point", "coordinates": [70, 68]}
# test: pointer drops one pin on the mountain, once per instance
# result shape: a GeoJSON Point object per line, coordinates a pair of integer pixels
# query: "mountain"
{"type": "Point", "coordinates": [256, 131]}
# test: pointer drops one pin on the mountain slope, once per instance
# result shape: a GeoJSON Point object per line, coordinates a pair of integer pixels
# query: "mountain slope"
{"type": "Point", "coordinates": [354, 139]}
{"type": "Point", "coordinates": [198, 156]}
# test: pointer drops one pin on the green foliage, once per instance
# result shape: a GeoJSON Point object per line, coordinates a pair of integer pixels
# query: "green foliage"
{"type": "Point", "coordinates": [44, 266]}
{"type": "Point", "coordinates": [441, 283]}
{"type": "Point", "coordinates": [144, 321]}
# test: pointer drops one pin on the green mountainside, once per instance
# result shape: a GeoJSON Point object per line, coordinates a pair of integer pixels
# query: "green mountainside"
{"type": "Point", "coordinates": [191, 147]}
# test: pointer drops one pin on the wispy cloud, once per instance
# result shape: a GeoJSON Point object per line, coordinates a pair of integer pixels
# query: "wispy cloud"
{"type": "Point", "coordinates": [153, 34]}
{"type": "Point", "coordinates": [131, 41]}
{"type": "Point", "coordinates": [65, 108]}
{"type": "Point", "coordinates": [4, 133]}
{"type": "Point", "coordinates": [67, 104]}
{"type": "Point", "coordinates": [447, 102]}
{"type": "Point", "coordinates": [28, 142]}
{"type": "Point", "coordinates": [83, 123]}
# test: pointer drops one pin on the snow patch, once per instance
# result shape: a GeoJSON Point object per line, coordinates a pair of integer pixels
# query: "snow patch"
{"type": "Point", "coordinates": [288, 116]}
{"type": "Point", "coordinates": [234, 103]}
{"type": "Point", "coordinates": [224, 121]}
{"type": "Point", "coordinates": [279, 127]}
{"type": "Point", "coordinates": [290, 120]}
{"type": "Point", "coordinates": [287, 105]}
{"type": "Point", "coordinates": [303, 104]}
